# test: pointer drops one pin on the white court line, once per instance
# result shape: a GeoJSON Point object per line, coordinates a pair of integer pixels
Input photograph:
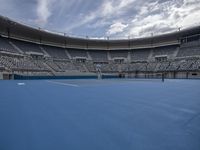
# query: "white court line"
{"type": "Point", "coordinates": [59, 83]}
{"type": "Point", "coordinates": [21, 84]}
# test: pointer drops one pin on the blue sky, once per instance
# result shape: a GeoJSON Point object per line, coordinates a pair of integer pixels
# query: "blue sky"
{"type": "Point", "coordinates": [102, 18]}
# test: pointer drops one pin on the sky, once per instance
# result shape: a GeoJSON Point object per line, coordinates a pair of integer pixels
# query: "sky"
{"type": "Point", "coordinates": [105, 18]}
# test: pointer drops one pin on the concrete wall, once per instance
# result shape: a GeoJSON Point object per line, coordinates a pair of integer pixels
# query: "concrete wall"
{"type": "Point", "coordinates": [194, 75]}
{"type": "Point", "coordinates": [168, 75]}
{"type": "Point", "coordinates": [1, 76]}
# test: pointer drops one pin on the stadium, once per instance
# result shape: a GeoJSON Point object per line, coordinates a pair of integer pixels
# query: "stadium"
{"type": "Point", "coordinates": [28, 52]}
{"type": "Point", "coordinates": [67, 92]}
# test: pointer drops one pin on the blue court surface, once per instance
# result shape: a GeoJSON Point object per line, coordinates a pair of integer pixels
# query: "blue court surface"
{"type": "Point", "coordinates": [93, 114]}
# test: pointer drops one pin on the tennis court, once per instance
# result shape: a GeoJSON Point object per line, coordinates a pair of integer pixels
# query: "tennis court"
{"type": "Point", "coordinates": [91, 114]}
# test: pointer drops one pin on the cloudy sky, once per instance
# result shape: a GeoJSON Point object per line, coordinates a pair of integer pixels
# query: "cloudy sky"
{"type": "Point", "coordinates": [102, 18]}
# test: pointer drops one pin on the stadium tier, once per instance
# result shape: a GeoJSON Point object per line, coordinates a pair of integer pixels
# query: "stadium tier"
{"type": "Point", "coordinates": [28, 51]}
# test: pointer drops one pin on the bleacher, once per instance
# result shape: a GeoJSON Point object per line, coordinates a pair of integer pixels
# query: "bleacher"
{"type": "Point", "coordinates": [140, 55]}
{"type": "Point", "coordinates": [90, 66]}
{"type": "Point", "coordinates": [27, 46]}
{"type": "Point", "coordinates": [162, 51]}
{"type": "Point", "coordinates": [99, 56]}
{"type": "Point", "coordinates": [134, 67]}
{"type": "Point", "coordinates": [19, 63]}
{"type": "Point", "coordinates": [162, 66]}
{"type": "Point", "coordinates": [151, 66]}
{"type": "Point", "coordinates": [6, 46]}
{"type": "Point", "coordinates": [56, 52]}
{"type": "Point", "coordinates": [196, 65]}
{"type": "Point", "coordinates": [75, 53]}
{"type": "Point", "coordinates": [119, 54]}
{"type": "Point", "coordinates": [66, 65]}
{"type": "Point", "coordinates": [174, 65]}
{"type": "Point", "coordinates": [54, 66]}
{"type": "Point", "coordinates": [80, 66]}
{"type": "Point", "coordinates": [60, 60]}
{"type": "Point", "coordinates": [1, 65]}
{"type": "Point", "coordinates": [189, 49]}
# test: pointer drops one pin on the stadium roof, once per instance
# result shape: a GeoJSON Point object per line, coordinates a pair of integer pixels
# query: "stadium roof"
{"type": "Point", "coordinates": [17, 30]}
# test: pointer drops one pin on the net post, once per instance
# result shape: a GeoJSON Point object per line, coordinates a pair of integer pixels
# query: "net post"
{"type": "Point", "coordinates": [163, 77]}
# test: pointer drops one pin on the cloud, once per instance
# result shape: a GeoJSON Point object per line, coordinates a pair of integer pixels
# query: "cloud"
{"type": "Point", "coordinates": [140, 18]}
{"type": "Point", "coordinates": [99, 18]}
{"type": "Point", "coordinates": [43, 11]}
{"type": "Point", "coordinates": [124, 18]}
{"type": "Point", "coordinates": [107, 11]}
{"type": "Point", "coordinates": [116, 7]}
{"type": "Point", "coordinates": [116, 28]}
{"type": "Point", "coordinates": [159, 17]}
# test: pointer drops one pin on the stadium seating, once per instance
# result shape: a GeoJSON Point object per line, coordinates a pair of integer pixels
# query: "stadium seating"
{"type": "Point", "coordinates": [162, 66]}
{"type": "Point", "coordinates": [27, 46]}
{"type": "Point", "coordinates": [6, 46]}
{"type": "Point", "coordinates": [19, 63]}
{"type": "Point", "coordinates": [168, 51]}
{"type": "Point", "coordinates": [77, 53]}
{"type": "Point", "coordinates": [119, 54]}
{"type": "Point", "coordinates": [99, 56]}
{"type": "Point", "coordinates": [65, 65]}
{"type": "Point", "coordinates": [56, 52]}
{"type": "Point", "coordinates": [189, 49]}
{"type": "Point", "coordinates": [61, 60]}
{"type": "Point", "coordinates": [140, 54]}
